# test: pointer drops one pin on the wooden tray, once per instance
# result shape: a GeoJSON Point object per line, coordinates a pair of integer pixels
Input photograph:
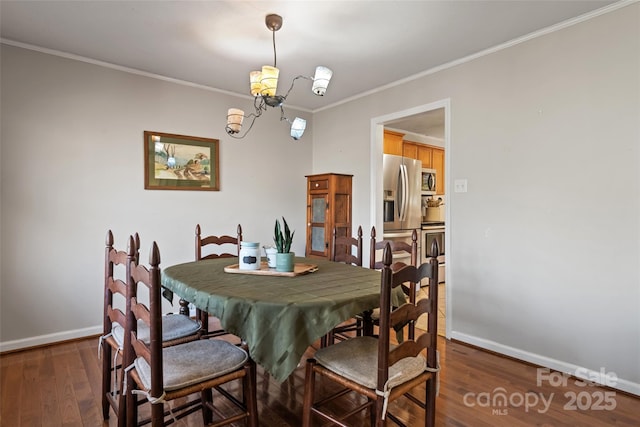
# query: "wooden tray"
{"type": "Point", "coordinates": [298, 269]}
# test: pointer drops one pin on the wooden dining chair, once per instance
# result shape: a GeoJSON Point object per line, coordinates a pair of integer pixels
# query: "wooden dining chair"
{"type": "Point", "coordinates": [211, 247]}
{"type": "Point", "coordinates": [177, 328]}
{"type": "Point", "coordinates": [377, 368]}
{"type": "Point", "coordinates": [403, 254]}
{"type": "Point", "coordinates": [110, 350]}
{"type": "Point", "coordinates": [348, 250]}
{"type": "Point", "coordinates": [164, 374]}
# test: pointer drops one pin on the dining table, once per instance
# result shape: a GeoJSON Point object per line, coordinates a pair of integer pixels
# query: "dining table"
{"type": "Point", "coordinates": [277, 316]}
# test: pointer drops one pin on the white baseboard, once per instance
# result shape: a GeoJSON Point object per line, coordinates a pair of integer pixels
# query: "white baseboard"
{"type": "Point", "coordinates": [537, 359]}
{"type": "Point", "coordinates": [49, 339]}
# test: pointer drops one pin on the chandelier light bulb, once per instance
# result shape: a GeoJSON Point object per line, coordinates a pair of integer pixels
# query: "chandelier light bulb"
{"type": "Point", "coordinates": [255, 78]}
{"type": "Point", "coordinates": [297, 128]}
{"type": "Point", "coordinates": [269, 80]}
{"type": "Point", "coordinates": [321, 80]}
{"type": "Point", "coordinates": [234, 120]}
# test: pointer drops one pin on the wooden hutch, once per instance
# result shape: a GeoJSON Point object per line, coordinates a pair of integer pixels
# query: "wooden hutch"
{"type": "Point", "coordinates": [328, 206]}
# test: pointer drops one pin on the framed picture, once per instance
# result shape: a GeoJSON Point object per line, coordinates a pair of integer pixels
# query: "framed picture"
{"type": "Point", "coordinates": [178, 162]}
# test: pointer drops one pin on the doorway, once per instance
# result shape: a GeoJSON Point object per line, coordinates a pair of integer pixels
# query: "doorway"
{"type": "Point", "coordinates": [425, 124]}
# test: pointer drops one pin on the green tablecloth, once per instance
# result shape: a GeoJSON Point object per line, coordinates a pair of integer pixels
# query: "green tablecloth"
{"type": "Point", "coordinates": [278, 317]}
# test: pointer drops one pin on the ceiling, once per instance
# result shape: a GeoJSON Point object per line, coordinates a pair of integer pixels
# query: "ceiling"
{"type": "Point", "coordinates": [430, 123]}
{"type": "Point", "coordinates": [367, 44]}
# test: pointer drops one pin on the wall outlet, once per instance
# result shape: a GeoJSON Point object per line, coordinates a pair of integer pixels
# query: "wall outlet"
{"type": "Point", "coordinates": [460, 186]}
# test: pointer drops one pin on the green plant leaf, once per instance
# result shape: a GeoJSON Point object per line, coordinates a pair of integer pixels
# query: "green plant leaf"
{"type": "Point", "coordinates": [282, 240]}
{"type": "Point", "coordinates": [278, 239]}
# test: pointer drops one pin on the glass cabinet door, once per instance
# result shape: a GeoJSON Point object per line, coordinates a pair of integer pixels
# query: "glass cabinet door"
{"type": "Point", "coordinates": [318, 236]}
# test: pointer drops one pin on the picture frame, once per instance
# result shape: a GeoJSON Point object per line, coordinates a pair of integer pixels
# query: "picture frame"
{"type": "Point", "coordinates": [180, 162]}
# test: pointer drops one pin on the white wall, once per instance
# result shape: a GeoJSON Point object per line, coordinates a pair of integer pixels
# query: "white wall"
{"type": "Point", "coordinates": [545, 245]}
{"type": "Point", "coordinates": [72, 168]}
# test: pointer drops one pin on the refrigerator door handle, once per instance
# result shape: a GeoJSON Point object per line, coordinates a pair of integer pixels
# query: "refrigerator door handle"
{"type": "Point", "coordinates": [405, 192]}
{"type": "Point", "coordinates": [407, 200]}
{"type": "Point", "coordinates": [400, 193]}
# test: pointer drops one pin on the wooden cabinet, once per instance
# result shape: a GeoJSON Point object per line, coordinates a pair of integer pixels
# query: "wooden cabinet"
{"type": "Point", "coordinates": [438, 165]}
{"type": "Point", "coordinates": [410, 150]}
{"type": "Point", "coordinates": [392, 143]}
{"type": "Point", "coordinates": [425, 155]}
{"type": "Point", "coordinates": [328, 206]}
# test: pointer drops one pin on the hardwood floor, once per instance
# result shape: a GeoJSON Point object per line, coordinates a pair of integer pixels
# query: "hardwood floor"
{"type": "Point", "coordinates": [59, 385]}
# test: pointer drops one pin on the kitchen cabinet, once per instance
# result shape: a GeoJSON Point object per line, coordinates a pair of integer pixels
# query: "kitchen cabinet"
{"type": "Point", "coordinates": [392, 143]}
{"type": "Point", "coordinates": [328, 206]}
{"type": "Point", "coordinates": [410, 150]}
{"type": "Point", "coordinates": [425, 155]}
{"type": "Point", "coordinates": [438, 165]}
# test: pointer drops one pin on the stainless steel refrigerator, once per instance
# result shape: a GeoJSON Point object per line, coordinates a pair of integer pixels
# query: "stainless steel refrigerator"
{"type": "Point", "coordinates": [402, 199]}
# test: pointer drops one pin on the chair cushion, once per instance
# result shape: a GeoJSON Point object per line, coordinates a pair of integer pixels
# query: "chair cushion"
{"type": "Point", "coordinates": [357, 360]}
{"type": "Point", "coordinates": [194, 362]}
{"type": "Point", "coordinates": [173, 326]}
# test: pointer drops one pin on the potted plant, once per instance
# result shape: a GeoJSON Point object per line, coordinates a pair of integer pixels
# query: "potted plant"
{"type": "Point", "coordinates": [283, 239]}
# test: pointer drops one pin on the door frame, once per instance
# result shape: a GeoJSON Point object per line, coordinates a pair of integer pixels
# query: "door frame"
{"type": "Point", "coordinates": [375, 209]}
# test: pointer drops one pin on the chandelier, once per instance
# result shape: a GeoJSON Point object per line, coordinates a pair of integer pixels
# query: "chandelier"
{"type": "Point", "coordinates": [263, 87]}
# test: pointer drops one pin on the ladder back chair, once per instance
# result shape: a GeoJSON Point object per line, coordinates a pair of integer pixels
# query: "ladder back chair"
{"type": "Point", "coordinates": [224, 246]}
{"type": "Point", "coordinates": [348, 250]}
{"type": "Point", "coordinates": [110, 349]}
{"type": "Point", "coordinates": [403, 253]}
{"type": "Point", "coordinates": [177, 328]}
{"type": "Point", "coordinates": [377, 368]}
{"type": "Point", "coordinates": [164, 374]}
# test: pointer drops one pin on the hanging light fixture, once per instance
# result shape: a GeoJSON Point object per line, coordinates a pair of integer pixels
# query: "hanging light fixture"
{"type": "Point", "coordinates": [263, 86]}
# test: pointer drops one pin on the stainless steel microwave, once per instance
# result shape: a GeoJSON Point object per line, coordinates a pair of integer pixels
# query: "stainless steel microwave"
{"type": "Point", "coordinates": [428, 182]}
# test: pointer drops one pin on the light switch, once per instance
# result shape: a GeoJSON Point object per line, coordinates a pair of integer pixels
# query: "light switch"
{"type": "Point", "coordinates": [460, 186]}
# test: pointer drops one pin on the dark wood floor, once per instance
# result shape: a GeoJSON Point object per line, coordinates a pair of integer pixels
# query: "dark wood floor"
{"type": "Point", "coordinates": [59, 385]}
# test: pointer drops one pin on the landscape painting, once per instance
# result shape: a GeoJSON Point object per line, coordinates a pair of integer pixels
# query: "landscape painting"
{"type": "Point", "coordinates": [178, 162]}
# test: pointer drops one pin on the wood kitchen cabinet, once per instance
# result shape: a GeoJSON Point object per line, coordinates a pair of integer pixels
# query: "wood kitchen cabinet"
{"type": "Point", "coordinates": [410, 150]}
{"type": "Point", "coordinates": [328, 206]}
{"type": "Point", "coordinates": [425, 155]}
{"type": "Point", "coordinates": [392, 143]}
{"type": "Point", "coordinates": [438, 165]}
